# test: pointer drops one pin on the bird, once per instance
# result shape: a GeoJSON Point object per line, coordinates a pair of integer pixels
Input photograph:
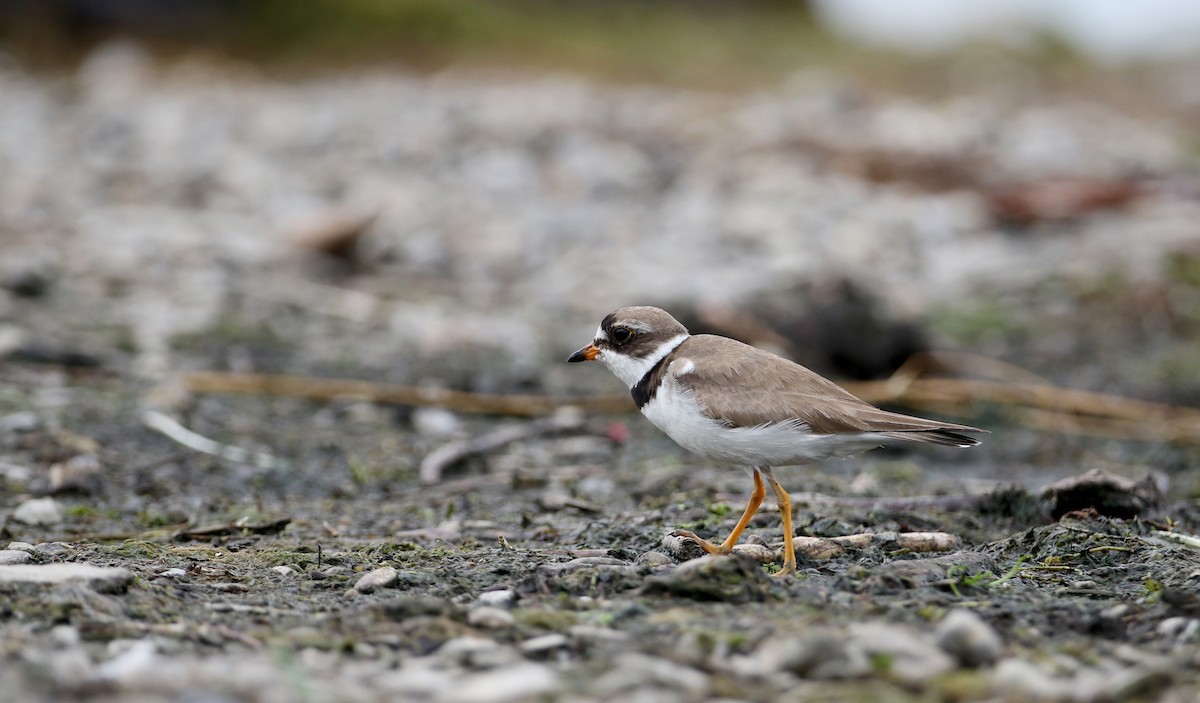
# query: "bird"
{"type": "Point", "coordinates": [738, 405]}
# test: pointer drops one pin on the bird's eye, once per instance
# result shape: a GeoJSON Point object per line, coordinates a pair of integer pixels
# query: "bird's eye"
{"type": "Point", "coordinates": [620, 335]}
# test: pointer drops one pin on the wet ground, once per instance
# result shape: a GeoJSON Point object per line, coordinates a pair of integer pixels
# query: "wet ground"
{"type": "Point", "coordinates": [539, 570]}
{"type": "Point", "coordinates": [321, 567]}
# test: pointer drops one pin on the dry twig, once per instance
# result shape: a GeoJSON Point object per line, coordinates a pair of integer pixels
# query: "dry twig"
{"type": "Point", "coordinates": [444, 456]}
{"type": "Point", "coordinates": [1028, 399]}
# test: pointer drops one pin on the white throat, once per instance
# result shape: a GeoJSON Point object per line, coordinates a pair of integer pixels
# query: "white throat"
{"type": "Point", "coordinates": [630, 369]}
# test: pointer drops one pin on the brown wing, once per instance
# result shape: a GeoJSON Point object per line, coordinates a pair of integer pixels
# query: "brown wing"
{"type": "Point", "coordinates": [784, 391]}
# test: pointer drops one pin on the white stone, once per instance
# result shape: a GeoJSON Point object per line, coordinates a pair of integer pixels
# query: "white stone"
{"type": "Point", "coordinates": [490, 618]}
{"type": "Point", "coordinates": [418, 680]}
{"type": "Point", "coordinates": [503, 685]}
{"type": "Point", "coordinates": [435, 422]}
{"type": "Point", "coordinates": [965, 636]}
{"type": "Point", "coordinates": [913, 657]}
{"type": "Point", "coordinates": [25, 421]}
{"type": "Point", "coordinates": [476, 653]}
{"type": "Point", "coordinates": [43, 512]}
{"type": "Point", "coordinates": [505, 598]}
{"type": "Point", "coordinates": [379, 578]}
{"type": "Point", "coordinates": [14, 556]}
{"type": "Point", "coordinates": [632, 671]}
{"type": "Point", "coordinates": [104, 579]}
{"type": "Point", "coordinates": [131, 664]}
{"type": "Point", "coordinates": [543, 644]}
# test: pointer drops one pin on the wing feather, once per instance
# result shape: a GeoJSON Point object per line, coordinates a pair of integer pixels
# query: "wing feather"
{"type": "Point", "coordinates": [784, 391]}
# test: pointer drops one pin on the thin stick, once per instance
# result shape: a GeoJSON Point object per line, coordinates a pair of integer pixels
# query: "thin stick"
{"type": "Point", "coordinates": [1033, 403]}
{"type": "Point", "coordinates": [461, 401]}
{"type": "Point", "coordinates": [170, 427]}
{"type": "Point", "coordinates": [439, 459]}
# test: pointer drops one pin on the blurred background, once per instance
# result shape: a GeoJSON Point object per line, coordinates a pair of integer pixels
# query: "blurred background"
{"type": "Point", "coordinates": [455, 193]}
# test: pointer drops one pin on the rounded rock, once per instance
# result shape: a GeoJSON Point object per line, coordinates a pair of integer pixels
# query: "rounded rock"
{"type": "Point", "coordinates": [43, 512]}
{"type": "Point", "coordinates": [379, 578]}
{"type": "Point", "coordinates": [14, 556]}
{"type": "Point", "coordinates": [965, 636]}
{"type": "Point", "coordinates": [503, 598]}
{"type": "Point", "coordinates": [490, 617]}
{"type": "Point", "coordinates": [653, 559]}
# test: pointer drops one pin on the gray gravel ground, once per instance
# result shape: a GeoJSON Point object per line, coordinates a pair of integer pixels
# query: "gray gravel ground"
{"type": "Point", "coordinates": [153, 221]}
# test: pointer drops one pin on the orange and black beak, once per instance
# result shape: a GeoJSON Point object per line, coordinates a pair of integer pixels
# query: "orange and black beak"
{"type": "Point", "coordinates": [588, 353]}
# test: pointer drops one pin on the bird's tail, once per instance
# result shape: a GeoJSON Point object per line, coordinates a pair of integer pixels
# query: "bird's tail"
{"type": "Point", "coordinates": [944, 437]}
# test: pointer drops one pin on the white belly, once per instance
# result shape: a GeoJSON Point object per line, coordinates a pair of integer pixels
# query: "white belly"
{"type": "Point", "coordinates": [676, 412]}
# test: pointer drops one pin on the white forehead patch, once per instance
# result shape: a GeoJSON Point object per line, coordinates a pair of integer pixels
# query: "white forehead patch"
{"type": "Point", "coordinates": [600, 335]}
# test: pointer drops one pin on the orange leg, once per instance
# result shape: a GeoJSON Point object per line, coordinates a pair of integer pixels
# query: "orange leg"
{"type": "Point", "coordinates": [789, 545]}
{"type": "Point", "coordinates": [756, 499]}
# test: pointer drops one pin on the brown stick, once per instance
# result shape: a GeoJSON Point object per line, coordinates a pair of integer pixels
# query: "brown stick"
{"type": "Point", "coordinates": [436, 461]}
{"type": "Point", "coordinates": [1039, 405]}
{"type": "Point", "coordinates": [462, 401]}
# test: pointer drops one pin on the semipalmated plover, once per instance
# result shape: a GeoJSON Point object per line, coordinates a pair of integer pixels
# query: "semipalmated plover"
{"type": "Point", "coordinates": [742, 406]}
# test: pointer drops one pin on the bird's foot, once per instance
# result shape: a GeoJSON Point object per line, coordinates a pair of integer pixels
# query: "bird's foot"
{"type": "Point", "coordinates": [788, 570]}
{"type": "Point", "coordinates": [707, 546]}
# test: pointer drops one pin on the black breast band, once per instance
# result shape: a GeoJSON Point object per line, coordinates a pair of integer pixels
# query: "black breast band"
{"type": "Point", "coordinates": [645, 389]}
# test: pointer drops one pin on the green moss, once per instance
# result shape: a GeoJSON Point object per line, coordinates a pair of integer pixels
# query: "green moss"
{"type": "Point", "coordinates": [152, 518]}
{"type": "Point", "coordinates": [552, 620]}
{"type": "Point", "coordinates": [975, 322]}
{"type": "Point", "coordinates": [81, 513]}
{"type": "Point", "coordinates": [1183, 267]}
{"type": "Point", "coordinates": [234, 330]}
{"type": "Point", "coordinates": [135, 549]}
{"type": "Point", "coordinates": [619, 39]}
{"type": "Point", "coordinates": [719, 510]}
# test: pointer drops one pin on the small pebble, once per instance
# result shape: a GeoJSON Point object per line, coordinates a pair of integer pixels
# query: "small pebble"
{"type": "Point", "coordinates": [283, 570]}
{"type": "Point", "coordinates": [965, 636]}
{"type": "Point", "coordinates": [14, 473]}
{"type": "Point", "coordinates": [1178, 627]}
{"type": "Point", "coordinates": [503, 598]}
{"type": "Point", "coordinates": [79, 474]}
{"type": "Point", "coordinates": [633, 671]}
{"type": "Point", "coordinates": [653, 559]}
{"type": "Point", "coordinates": [366, 650]}
{"type": "Point", "coordinates": [912, 657]}
{"type": "Point", "coordinates": [102, 579]}
{"type": "Point", "coordinates": [490, 617]}
{"type": "Point", "coordinates": [22, 546]}
{"type": "Point", "coordinates": [520, 682]}
{"type": "Point", "coordinates": [591, 634]}
{"type": "Point", "coordinates": [132, 664]}
{"type": "Point", "coordinates": [820, 655]}
{"type": "Point", "coordinates": [14, 556]}
{"type": "Point", "coordinates": [174, 573]}
{"type": "Point", "coordinates": [43, 512]}
{"type": "Point", "coordinates": [65, 635]}
{"type": "Point", "coordinates": [52, 549]}
{"type": "Point", "coordinates": [477, 653]}
{"type": "Point", "coordinates": [543, 645]}
{"type": "Point", "coordinates": [26, 421]}
{"type": "Point", "coordinates": [1023, 680]}
{"type": "Point", "coordinates": [435, 422]}
{"type": "Point", "coordinates": [379, 578]}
